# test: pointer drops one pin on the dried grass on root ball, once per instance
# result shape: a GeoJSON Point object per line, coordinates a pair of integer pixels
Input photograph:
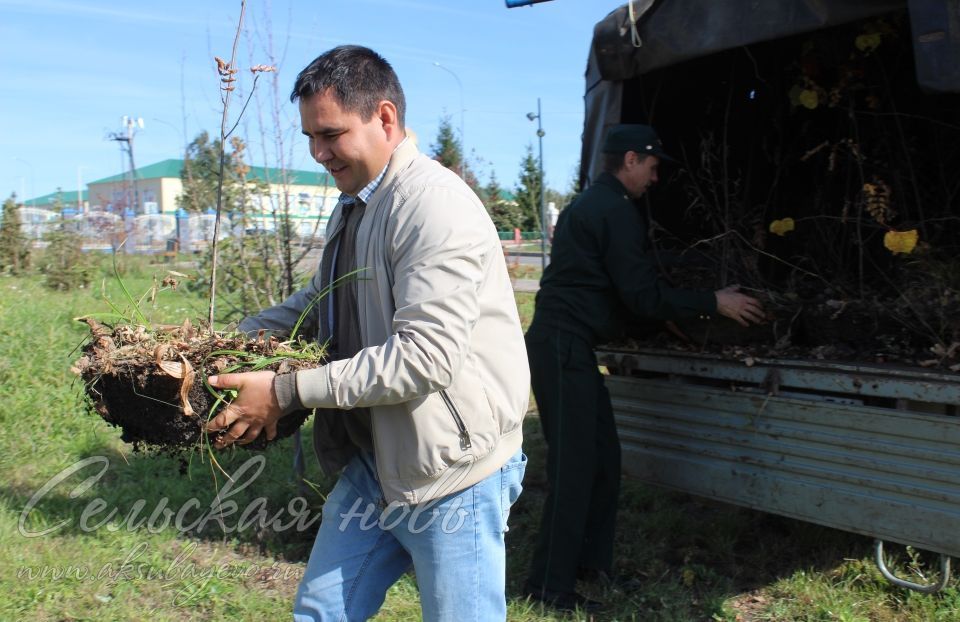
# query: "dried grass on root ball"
{"type": "Point", "coordinates": [152, 383]}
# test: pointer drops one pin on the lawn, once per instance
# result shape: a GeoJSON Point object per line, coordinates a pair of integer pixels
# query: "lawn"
{"type": "Point", "coordinates": [92, 530]}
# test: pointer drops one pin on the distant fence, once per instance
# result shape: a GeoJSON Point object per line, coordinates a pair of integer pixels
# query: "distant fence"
{"type": "Point", "coordinates": [154, 233]}
{"type": "Point", "coordinates": [524, 235]}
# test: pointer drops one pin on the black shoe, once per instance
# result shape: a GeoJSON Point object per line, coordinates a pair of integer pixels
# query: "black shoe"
{"type": "Point", "coordinates": [561, 601]}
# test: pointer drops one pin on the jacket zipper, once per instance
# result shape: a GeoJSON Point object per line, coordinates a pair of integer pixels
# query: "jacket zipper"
{"type": "Point", "coordinates": [464, 435]}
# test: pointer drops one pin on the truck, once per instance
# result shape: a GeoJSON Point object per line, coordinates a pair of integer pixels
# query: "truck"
{"type": "Point", "coordinates": [746, 96]}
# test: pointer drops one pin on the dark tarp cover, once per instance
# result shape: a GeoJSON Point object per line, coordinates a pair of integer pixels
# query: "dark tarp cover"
{"type": "Point", "coordinates": [672, 31]}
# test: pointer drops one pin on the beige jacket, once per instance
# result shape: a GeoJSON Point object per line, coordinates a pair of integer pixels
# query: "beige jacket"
{"type": "Point", "coordinates": [444, 367]}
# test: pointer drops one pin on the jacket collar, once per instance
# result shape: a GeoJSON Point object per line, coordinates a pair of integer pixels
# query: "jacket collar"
{"type": "Point", "coordinates": [403, 155]}
{"type": "Point", "coordinates": [609, 179]}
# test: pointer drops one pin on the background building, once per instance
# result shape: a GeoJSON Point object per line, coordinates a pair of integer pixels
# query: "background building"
{"type": "Point", "coordinates": [141, 209]}
{"type": "Point", "coordinates": [154, 189]}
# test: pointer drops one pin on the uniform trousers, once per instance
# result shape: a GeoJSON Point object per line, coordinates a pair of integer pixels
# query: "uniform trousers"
{"type": "Point", "coordinates": [583, 459]}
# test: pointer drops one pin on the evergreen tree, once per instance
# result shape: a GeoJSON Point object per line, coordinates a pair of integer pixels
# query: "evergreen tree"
{"type": "Point", "coordinates": [470, 178]}
{"type": "Point", "coordinates": [528, 192]}
{"type": "Point", "coordinates": [14, 246]}
{"type": "Point", "coordinates": [447, 150]}
{"type": "Point", "coordinates": [505, 214]}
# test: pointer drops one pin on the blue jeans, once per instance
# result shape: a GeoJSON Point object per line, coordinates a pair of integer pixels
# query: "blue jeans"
{"type": "Point", "coordinates": [455, 544]}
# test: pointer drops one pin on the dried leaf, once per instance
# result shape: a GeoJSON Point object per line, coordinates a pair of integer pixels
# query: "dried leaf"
{"type": "Point", "coordinates": [900, 241]}
{"type": "Point", "coordinates": [877, 201]}
{"type": "Point", "coordinates": [81, 365]}
{"type": "Point", "coordinates": [809, 99]}
{"type": "Point", "coordinates": [868, 42]}
{"type": "Point", "coordinates": [185, 388]}
{"type": "Point", "coordinates": [172, 368]}
{"type": "Point", "coordinates": [782, 226]}
{"type": "Point", "coordinates": [187, 331]}
{"type": "Point", "coordinates": [169, 281]}
{"type": "Point", "coordinates": [160, 351]}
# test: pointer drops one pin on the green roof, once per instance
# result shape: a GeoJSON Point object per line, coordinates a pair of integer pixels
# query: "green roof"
{"type": "Point", "coordinates": [66, 197]}
{"type": "Point", "coordinates": [294, 177]}
{"type": "Point", "coordinates": [173, 168]}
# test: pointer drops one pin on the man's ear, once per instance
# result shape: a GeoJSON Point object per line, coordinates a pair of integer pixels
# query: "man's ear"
{"type": "Point", "coordinates": [387, 114]}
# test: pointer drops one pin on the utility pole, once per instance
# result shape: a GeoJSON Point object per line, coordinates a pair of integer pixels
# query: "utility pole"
{"type": "Point", "coordinates": [125, 137]}
{"type": "Point", "coordinates": [543, 193]}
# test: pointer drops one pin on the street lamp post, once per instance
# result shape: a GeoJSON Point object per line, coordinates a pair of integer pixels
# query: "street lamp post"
{"type": "Point", "coordinates": [463, 143]}
{"type": "Point", "coordinates": [543, 220]}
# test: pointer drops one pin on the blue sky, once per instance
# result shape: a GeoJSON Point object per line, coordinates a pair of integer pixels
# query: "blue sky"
{"type": "Point", "coordinates": [73, 68]}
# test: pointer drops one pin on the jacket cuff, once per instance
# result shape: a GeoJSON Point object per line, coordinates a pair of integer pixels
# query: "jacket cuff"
{"type": "Point", "coordinates": [314, 387]}
{"type": "Point", "coordinates": [285, 388]}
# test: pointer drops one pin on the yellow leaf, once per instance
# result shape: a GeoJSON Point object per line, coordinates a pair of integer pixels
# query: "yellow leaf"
{"type": "Point", "coordinates": [900, 241]}
{"type": "Point", "coordinates": [794, 94]}
{"type": "Point", "coordinates": [780, 227]}
{"type": "Point", "coordinates": [809, 99]}
{"type": "Point", "coordinates": [868, 43]}
{"type": "Point", "coordinates": [689, 576]}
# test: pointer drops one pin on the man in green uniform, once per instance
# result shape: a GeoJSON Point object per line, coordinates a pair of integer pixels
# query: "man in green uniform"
{"type": "Point", "coordinates": [600, 278]}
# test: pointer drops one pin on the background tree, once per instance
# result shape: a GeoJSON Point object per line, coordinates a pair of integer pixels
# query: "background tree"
{"type": "Point", "coordinates": [200, 176]}
{"type": "Point", "coordinates": [563, 199]}
{"type": "Point", "coordinates": [505, 214]}
{"type": "Point", "coordinates": [447, 150]}
{"type": "Point", "coordinates": [256, 269]}
{"type": "Point", "coordinates": [58, 203]}
{"type": "Point", "coordinates": [14, 247]}
{"type": "Point", "coordinates": [470, 178]}
{"type": "Point", "coordinates": [528, 192]}
{"type": "Point", "coordinates": [63, 263]}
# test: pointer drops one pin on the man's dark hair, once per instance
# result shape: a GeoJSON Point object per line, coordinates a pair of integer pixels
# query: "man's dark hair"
{"type": "Point", "coordinates": [360, 79]}
{"type": "Point", "coordinates": [611, 162]}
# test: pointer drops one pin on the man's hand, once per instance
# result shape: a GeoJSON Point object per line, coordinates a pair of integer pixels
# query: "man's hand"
{"type": "Point", "coordinates": [254, 410]}
{"type": "Point", "coordinates": [738, 307]}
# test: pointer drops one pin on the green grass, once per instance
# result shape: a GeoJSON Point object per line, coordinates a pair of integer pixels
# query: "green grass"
{"type": "Point", "coordinates": [679, 558]}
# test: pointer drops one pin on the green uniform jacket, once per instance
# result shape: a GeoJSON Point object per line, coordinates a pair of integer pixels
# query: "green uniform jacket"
{"type": "Point", "coordinates": [600, 276]}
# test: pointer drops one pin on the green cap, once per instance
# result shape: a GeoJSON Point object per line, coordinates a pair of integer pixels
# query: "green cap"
{"type": "Point", "coordinates": [641, 139]}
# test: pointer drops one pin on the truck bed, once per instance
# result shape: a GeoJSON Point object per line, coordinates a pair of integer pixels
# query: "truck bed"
{"type": "Point", "coordinates": [873, 450]}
